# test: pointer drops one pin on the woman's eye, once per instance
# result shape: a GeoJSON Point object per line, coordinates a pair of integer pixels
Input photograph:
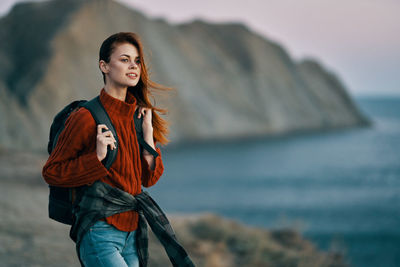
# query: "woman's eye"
{"type": "Point", "coordinates": [137, 61]}
{"type": "Point", "coordinates": [124, 60]}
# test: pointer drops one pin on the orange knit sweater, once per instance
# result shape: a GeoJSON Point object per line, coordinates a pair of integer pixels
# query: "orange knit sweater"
{"type": "Point", "coordinates": [74, 162]}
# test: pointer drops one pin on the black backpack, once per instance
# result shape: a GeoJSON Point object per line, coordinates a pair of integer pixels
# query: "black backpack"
{"type": "Point", "coordinates": [63, 199]}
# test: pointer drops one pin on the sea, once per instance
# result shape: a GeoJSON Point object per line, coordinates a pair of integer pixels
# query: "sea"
{"type": "Point", "coordinates": [340, 189]}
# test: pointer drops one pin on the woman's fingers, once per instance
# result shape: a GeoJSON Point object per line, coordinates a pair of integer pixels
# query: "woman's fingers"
{"type": "Point", "coordinates": [140, 111]}
{"type": "Point", "coordinates": [100, 128]}
{"type": "Point", "coordinates": [105, 137]}
{"type": "Point", "coordinates": [108, 134]}
{"type": "Point", "coordinates": [105, 132]}
{"type": "Point", "coordinates": [105, 141]}
{"type": "Point", "coordinates": [143, 111]}
{"type": "Point", "coordinates": [111, 143]}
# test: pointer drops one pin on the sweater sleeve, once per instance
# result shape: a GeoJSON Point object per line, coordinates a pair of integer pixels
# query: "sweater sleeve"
{"type": "Point", "coordinates": [74, 162]}
{"type": "Point", "coordinates": [149, 176]}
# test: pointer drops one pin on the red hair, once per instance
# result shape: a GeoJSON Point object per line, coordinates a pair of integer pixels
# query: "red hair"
{"type": "Point", "coordinates": [142, 90]}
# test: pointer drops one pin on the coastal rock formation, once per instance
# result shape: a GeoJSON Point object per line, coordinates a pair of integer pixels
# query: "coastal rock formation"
{"type": "Point", "coordinates": [231, 82]}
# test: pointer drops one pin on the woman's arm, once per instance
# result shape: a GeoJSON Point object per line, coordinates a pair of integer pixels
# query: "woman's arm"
{"type": "Point", "coordinates": [148, 137]}
{"type": "Point", "coordinates": [150, 176]}
{"type": "Point", "coordinates": [152, 169]}
{"type": "Point", "coordinates": [74, 161]}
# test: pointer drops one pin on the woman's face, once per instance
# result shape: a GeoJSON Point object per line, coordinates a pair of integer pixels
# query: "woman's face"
{"type": "Point", "coordinates": [123, 70]}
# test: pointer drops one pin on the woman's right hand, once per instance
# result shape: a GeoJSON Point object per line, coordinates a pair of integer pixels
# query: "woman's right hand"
{"type": "Point", "coordinates": [103, 140]}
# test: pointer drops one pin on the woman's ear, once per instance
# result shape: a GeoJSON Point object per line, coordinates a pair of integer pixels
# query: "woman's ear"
{"type": "Point", "coordinates": [103, 66]}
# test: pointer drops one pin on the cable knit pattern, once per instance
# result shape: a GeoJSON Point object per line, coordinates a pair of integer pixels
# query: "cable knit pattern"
{"type": "Point", "coordinates": [74, 162]}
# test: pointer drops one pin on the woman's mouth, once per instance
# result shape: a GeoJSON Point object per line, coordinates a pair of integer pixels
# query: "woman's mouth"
{"type": "Point", "coordinates": [132, 75]}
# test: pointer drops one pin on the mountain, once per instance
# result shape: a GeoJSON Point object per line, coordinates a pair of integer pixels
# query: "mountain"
{"type": "Point", "coordinates": [231, 82]}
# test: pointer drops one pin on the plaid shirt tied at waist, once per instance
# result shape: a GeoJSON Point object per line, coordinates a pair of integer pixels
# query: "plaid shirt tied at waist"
{"type": "Point", "coordinates": [101, 200]}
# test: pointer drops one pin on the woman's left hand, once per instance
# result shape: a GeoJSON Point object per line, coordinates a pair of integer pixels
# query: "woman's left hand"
{"type": "Point", "coordinates": [147, 118]}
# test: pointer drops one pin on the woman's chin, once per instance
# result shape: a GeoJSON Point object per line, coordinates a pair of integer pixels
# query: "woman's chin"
{"type": "Point", "coordinates": [131, 84]}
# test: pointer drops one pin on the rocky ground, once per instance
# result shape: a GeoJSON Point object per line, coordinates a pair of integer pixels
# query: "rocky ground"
{"type": "Point", "coordinates": [29, 238]}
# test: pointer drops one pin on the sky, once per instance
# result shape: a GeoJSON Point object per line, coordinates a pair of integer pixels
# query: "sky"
{"type": "Point", "coordinates": [358, 40]}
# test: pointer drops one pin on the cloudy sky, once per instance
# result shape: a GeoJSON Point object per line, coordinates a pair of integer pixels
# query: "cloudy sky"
{"type": "Point", "coordinates": [359, 40]}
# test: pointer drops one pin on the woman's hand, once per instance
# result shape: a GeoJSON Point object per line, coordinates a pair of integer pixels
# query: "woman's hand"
{"type": "Point", "coordinates": [103, 140]}
{"type": "Point", "coordinates": [147, 132]}
{"type": "Point", "coordinates": [147, 119]}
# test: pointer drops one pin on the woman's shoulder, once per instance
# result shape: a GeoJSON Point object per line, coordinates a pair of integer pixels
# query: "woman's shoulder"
{"type": "Point", "coordinates": [81, 118]}
{"type": "Point", "coordinates": [79, 127]}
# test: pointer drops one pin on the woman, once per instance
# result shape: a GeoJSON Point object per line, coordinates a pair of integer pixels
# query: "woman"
{"type": "Point", "coordinates": [76, 159]}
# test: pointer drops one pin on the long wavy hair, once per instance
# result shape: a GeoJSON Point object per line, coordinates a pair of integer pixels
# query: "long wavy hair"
{"type": "Point", "coordinates": [141, 91]}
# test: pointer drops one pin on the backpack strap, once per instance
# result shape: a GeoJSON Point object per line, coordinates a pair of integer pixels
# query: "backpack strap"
{"type": "Point", "coordinates": [139, 134]}
{"type": "Point", "coordinates": [101, 117]}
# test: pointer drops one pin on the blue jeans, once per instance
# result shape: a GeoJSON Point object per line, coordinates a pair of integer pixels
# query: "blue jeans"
{"type": "Point", "coordinates": [105, 245]}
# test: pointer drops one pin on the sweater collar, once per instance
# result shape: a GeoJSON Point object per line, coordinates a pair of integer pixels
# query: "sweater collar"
{"type": "Point", "coordinates": [115, 106]}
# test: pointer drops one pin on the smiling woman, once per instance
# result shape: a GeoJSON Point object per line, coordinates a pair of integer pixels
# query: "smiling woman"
{"type": "Point", "coordinates": [121, 57]}
{"type": "Point", "coordinates": [77, 160]}
{"type": "Point", "coordinates": [124, 62]}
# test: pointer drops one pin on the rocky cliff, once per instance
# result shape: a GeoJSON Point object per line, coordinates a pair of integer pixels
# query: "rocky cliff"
{"type": "Point", "coordinates": [231, 82]}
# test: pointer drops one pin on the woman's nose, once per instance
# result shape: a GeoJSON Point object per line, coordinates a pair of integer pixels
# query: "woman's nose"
{"type": "Point", "coordinates": [134, 64]}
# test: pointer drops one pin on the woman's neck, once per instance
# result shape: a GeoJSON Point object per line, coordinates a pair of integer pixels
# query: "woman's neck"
{"type": "Point", "coordinates": [116, 92]}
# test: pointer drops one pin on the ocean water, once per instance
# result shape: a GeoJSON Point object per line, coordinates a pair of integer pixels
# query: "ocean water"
{"type": "Point", "coordinates": [340, 189]}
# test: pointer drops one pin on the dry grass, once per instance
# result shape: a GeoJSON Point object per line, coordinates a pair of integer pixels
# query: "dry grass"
{"type": "Point", "coordinates": [213, 241]}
